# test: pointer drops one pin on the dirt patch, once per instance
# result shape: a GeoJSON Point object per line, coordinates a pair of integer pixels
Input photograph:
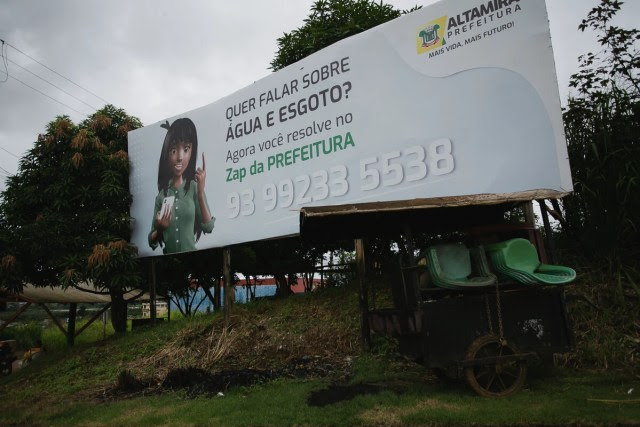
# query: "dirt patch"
{"type": "Point", "coordinates": [274, 340]}
{"type": "Point", "coordinates": [304, 337]}
{"type": "Point", "coordinates": [199, 382]}
{"type": "Point", "coordinates": [338, 393]}
{"type": "Point", "coordinates": [128, 384]}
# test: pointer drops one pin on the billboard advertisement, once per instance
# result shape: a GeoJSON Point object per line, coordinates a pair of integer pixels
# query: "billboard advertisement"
{"type": "Point", "coordinates": [458, 98]}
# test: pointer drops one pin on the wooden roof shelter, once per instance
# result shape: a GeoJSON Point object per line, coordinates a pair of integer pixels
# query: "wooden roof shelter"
{"type": "Point", "coordinates": [83, 294]}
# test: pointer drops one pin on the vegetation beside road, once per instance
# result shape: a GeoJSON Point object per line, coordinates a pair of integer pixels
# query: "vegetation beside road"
{"type": "Point", "coordinates": [315, 336]}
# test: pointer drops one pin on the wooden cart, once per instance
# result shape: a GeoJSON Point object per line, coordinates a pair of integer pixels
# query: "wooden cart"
{"type": "Point", "coordinates": [487, 337]}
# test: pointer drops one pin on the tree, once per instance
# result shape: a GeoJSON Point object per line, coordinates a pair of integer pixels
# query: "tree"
{"type": "Point", "coordinates": [330, 21]}
{"type": "Point", "coordinates": [65, 214]}
{"type": "Point", "coordinates": [602, 125]}
{"type": "Point", "coordinates": [181, 276]}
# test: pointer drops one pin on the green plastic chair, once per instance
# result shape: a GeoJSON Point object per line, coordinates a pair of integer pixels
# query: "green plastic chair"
{"type": "Point", "coordinates": [500, 265]}
{"type": "Point", "coordinates": [518, 259]}
{"type": "Point", "coordinates": [450, 267]}
{"type": "Point", "coordinates": [504, 272]}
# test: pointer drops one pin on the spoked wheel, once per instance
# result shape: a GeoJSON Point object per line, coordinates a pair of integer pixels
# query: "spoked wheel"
{"type": "Point", "coordinates": [5, 367]}
{"type": "Point", "coordinates": [494, 374]}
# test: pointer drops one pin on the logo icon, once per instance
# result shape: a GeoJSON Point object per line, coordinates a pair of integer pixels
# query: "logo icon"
{"type": "Point", "coordinates": [431, 36]}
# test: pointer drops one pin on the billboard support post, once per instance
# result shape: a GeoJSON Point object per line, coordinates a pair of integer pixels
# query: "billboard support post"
{"type": "Point", "coordinates": [547, 231]}
{"type": "Point", "coordinates": [152, 292]}
{"type": "Point", "coordinates": [226, 270]}
{"type": "Point", "coordinates": [362, 296]}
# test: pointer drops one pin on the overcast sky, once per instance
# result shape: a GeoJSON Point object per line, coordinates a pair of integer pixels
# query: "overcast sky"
{"type": "Point", "coordinates": [157, 59]}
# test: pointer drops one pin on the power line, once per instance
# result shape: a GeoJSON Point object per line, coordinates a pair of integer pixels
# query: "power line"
{"type": "Point", "coordinates": [5, 171]}
{"type": "Point", "coordinates": [47, 81]}
{"type": "Point", "coordinates": [7, 151]}
{"type": "Point", "coordinates": [53, 99]}
{"type": "Point", "coordinates": [54, 71]}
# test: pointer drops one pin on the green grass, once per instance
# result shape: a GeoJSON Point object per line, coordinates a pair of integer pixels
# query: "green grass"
{"type": "Point", "coordinates": [560, 400]}
{"type": "Point", "coordinates": [65, 385]}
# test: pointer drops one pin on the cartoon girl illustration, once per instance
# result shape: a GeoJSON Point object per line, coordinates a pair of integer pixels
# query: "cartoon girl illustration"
{"type": "Point", "coordinates": [181, 212]}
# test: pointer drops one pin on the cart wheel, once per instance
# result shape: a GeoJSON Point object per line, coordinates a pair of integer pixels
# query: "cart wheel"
{"type": "Point", "coordinates": [495, 379]}
{"type": "Point", "coordinates": [5, 368]}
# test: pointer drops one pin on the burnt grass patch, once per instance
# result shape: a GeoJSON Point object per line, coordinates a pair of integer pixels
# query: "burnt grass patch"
{"type": "Point", "coordinates": [340, 392]}
{"type": "Point", "coordinates": [195, 381]}
{"type": "Point", "coordinates": [337, 393]}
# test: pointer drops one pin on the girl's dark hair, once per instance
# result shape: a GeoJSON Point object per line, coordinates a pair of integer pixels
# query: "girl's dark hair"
{"type": "Point", "coordinates": [181, 130]}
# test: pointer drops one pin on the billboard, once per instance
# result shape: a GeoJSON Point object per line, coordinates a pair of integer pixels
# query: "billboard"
{"type": "Point", "coordinates": [458, 98]}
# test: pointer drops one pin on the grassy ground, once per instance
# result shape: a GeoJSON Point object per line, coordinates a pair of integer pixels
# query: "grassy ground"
{"type": "Point", "coordinates": [76, 386]}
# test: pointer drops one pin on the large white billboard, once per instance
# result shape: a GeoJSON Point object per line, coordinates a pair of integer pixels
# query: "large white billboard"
{"type": "Point", "coordinates": [458, 98]}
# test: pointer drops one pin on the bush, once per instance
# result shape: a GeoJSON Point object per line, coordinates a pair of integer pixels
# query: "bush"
{"type": "Point", "coordinates": [26, 335]}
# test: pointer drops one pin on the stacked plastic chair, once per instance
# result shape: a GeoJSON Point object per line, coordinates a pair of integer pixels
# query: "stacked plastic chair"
{"type": "Point", "coordinates": [517, 259]}
{"type": "Point", "coordinates": [450, 266]}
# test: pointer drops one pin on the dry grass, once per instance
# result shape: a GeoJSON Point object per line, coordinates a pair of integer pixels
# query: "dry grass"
{"type": "Point", "coordinates": [381, 416]}
{"type": "Point", "coordinates": [191, 347]}
{"type": "Point", "coordinates": [302, 329]}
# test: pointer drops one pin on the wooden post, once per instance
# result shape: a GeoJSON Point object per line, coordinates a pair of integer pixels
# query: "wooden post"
{"type": "Point", "coordinates": [152, 292]}
{"type": "Point", "coordinates": [529, 217]}
{"type": "Point", "coordinates": [15, 316]}
{"type": "Point", "coordinates": [547, 231]}
{"type": "Point", "coordinates": [71, 326]}
{"type": "Point", "coordinates": [413, 294]}
{"type": "Point", "coordinates": [216, 296]}
{"type": "Point", "coordinates": [54, 318]}
{"type": "Point", "coordinates": [362, 296]}
{"type": "Point", "coordinates": [168, 309]}
{"type": "Point", "coordinates": [226, 270]}
{"type": "Point", "coordinates": [98, 314]}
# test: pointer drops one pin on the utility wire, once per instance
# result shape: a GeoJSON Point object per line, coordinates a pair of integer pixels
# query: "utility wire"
{"type": "Point", "coordinates": [7, 151]}
{"type": "Point", "coordinates": [53, 99]}
{"type": "Point", "coordinates": [5, 171]}
{"type": "Point", "coordinates": [55, 72]}
{"type": "Point", "coordinates": [47, 81]}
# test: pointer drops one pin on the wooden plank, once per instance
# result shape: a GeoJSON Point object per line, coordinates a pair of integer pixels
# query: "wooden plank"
{"type": "Point", "coordinates": [95, 316]}
{"type": "Point", "coordinates": [365, 334]}
{"type": "Point", "coordinates": [15, 315]}
{"type": "Point", "coordinates": [71, 325]}
{"type": "Point", "coordinates": [435, 202]}
{"type": "Point", "coordinates": [54, 318]}
{"type": "Point", "coordinates": [547, 231]}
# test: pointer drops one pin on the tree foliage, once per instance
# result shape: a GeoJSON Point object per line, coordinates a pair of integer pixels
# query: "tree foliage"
{"type": "Point", "coordinates": [602, 125]}
{"type": "Point", "coordinates": [65, 214]}
{"type": "Point", "coordinates": [330, 21]}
